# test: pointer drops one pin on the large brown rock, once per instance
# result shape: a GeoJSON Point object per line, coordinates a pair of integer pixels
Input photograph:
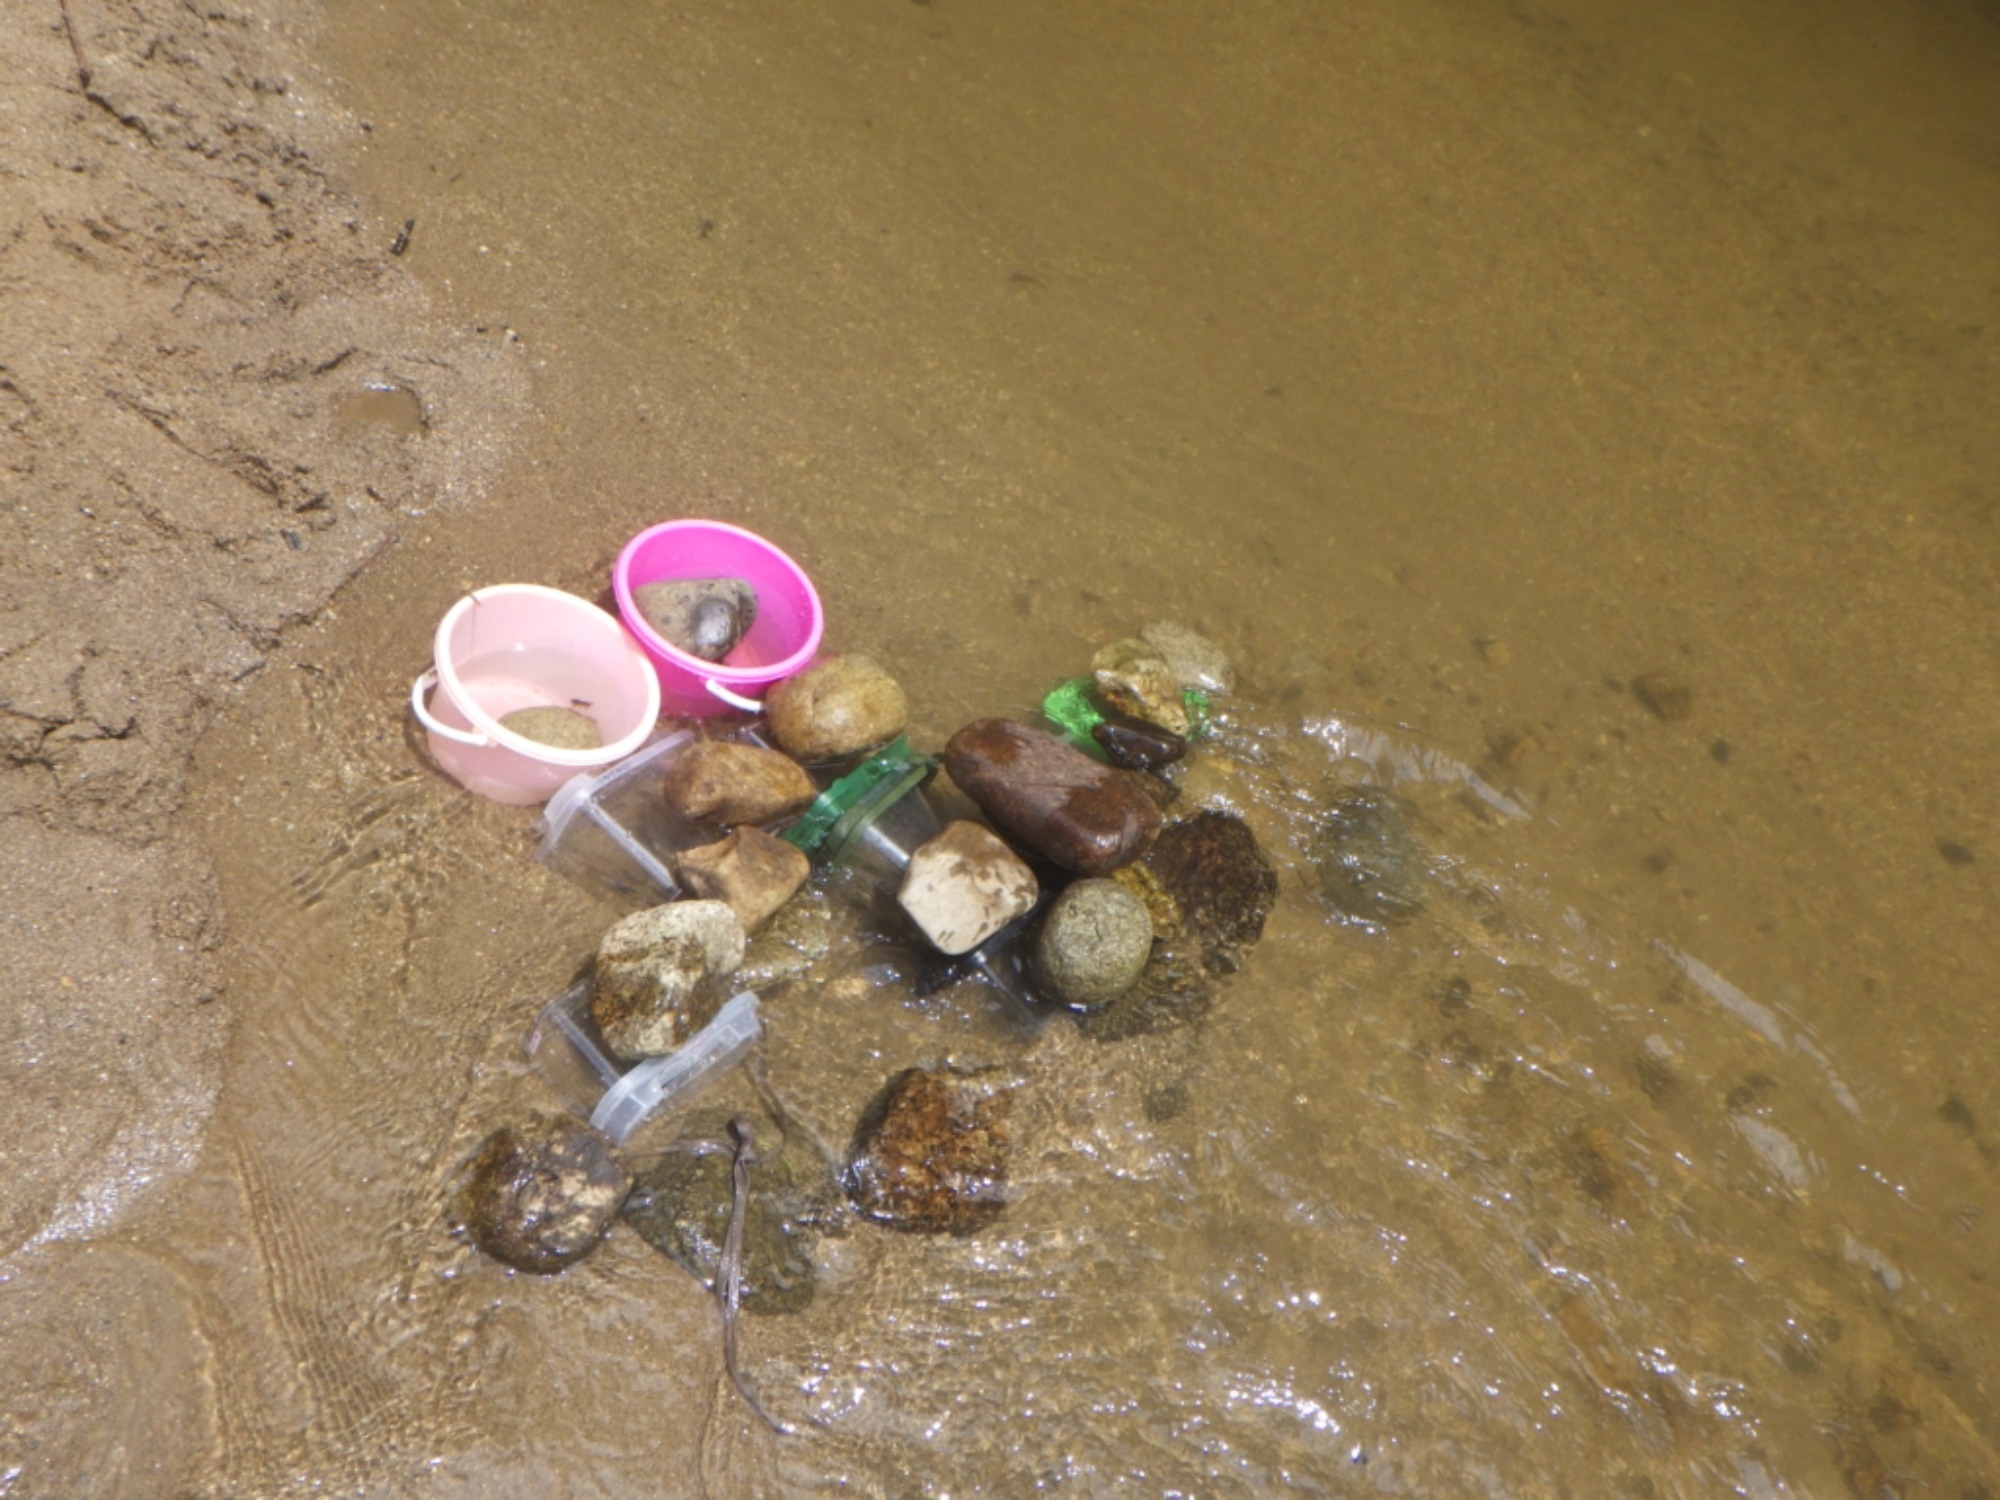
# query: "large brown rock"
{"type": "Point", "coordinates": [659, 975]}
{"type": "Point", "coordinates": [930, 1154]}
{"type": "Point", "coordinates": [1050, 797]}
{"type": "Point", "coordinates": [837, 707]}
{"type": "Point", "coordinates": [1220, 881]}
{"type": "Point", "coordinates": [751, 871]}
{"type": "Point", "coordinates": [717, 781]}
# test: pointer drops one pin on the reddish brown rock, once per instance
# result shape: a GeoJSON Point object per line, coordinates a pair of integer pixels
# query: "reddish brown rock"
{"type": "Point", "coordinates": [1050, 797]}
{"type": "Point", "coordinates": [1221, 883]}
{"type": "Point", "coordinates": [750, 871]}
{"type": "Point", "coordinates": [717, 781]}
{"type": "Point", "coordinates": [930, 1154]}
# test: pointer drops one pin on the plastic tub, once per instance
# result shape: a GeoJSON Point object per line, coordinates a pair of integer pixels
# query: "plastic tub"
{"type": "Point", "coordinates": [519, 645]}
{"type": "Point", "coordinates": [613, 827]}
{"type": "Point", "coordinates": [617, 1100]}
{"type": "Point", "coordinates": [780, 642]}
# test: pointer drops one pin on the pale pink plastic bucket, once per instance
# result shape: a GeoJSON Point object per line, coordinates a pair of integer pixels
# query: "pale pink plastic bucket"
{"type": "Point", "coordinates": [779, 644]}
{"type": "Point", "coordinates": [519, 645]}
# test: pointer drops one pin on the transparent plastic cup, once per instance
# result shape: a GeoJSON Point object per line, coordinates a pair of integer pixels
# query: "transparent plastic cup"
{"type": "Point", "coordinates": [569, 1052]}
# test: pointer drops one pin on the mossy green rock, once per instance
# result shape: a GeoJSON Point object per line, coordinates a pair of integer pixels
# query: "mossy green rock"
{"type": "Point", "coordinates": [1093, 944]}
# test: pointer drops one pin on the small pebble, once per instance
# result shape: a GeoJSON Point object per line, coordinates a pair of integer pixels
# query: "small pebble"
{"type": "Point", "coordinates": [1134, 747]}
{"type": "Point", "coordinates": [560, 728]}
{"type": "Point", "coordinates": [1955, 853]}
{"type": "Point", "coordinates": [1664, 694]}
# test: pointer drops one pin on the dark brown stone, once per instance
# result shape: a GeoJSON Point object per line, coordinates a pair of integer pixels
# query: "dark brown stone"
{"type": "Point", "coordinates": [1664, 694]}
{"type": "Point", "coordinates": [541, 1194]}
{"type": "Point", "coordinates": [1134, 748]}
{"type": "Point", "coordinates": [1051, 797]}
{"type": "Point", "coordinates": [1220, 881]}
{"type": "Point", "coordinates": [930, 1153]}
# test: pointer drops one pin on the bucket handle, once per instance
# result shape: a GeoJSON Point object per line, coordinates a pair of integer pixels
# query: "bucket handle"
{"type": "Point", "coordinates": [734, 700]}
{"type": "Point", "coordinates": [417, 690]}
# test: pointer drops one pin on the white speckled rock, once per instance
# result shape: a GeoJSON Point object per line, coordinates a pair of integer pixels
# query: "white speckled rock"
{"type": "Point", "coordinates": [1197, 661]}
{"type": "Point", "coordinates": [964, 886]}
{"type": "Point", "coordinates": [655, 970]}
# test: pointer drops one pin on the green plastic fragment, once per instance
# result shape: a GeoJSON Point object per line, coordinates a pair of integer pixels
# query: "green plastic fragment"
{"type": "Point", "coordinates": [830, 806]}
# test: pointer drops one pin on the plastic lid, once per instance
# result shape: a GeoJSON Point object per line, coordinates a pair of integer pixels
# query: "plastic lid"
{"type": "Point", "coordinates": [629, 1102]}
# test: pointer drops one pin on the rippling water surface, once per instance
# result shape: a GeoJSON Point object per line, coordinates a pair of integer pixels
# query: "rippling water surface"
{"type": "Point", "coordinates": [1454, 366]}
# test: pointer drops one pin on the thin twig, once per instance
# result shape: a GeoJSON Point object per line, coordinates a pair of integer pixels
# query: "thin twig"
{"type": "Point", "coordinates": [75, 45]}
{"type": "Point", "coordinates": [729, 1280]}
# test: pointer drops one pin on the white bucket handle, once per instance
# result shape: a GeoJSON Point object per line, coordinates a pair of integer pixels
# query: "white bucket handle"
{"type": "Point", "coordinates": [462, 736]}
{"type": "Point", "coordinates": [734, 700]}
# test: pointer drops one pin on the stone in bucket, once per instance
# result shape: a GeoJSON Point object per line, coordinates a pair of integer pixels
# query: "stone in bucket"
{"type": "Point", "coordinates": [704, 617]}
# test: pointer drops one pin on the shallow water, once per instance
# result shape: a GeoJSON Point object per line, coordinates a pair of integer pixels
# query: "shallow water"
{"type": "Point", "coordinates": [1453, 366]}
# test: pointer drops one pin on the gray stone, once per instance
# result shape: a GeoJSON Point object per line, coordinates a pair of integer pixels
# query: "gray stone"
{"type": "Point", "coordinates": [836, 708]}
{"type": "Point", "coordinates": [658, 975]}
{"type": "Point", "coordinates": [1135, 679]}
{"type": "Point", "coordinates": [541, 1194]}
{"type": "Point", "coordinates": [964, 885]}
{"type": "Point", "coordinates": [704, 617]}
{"type": "Point", "coordinates": [1197, 662]}
{"type": "Point", "coordinates": [1093, 944]}
{"type": "Point", "coordinates": [563, 728]}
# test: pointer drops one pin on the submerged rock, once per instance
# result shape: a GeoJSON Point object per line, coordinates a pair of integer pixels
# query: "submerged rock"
{"type": "Point", "coordinates": [1664, 694]}
{"type": "Point", "coordinates": [930, 1153]}
{"type": "Point", "coordinates": [657, 975]}
{"type": "Point", "coordinates": [1174, 990]}
{"type": "Point", "coordinates": [541, 1194]}
{"type": "Point", "coordinates": [1051, 797]}
{"type": "Point", "coordinates": [963, 885]}
{"type": "Point", "coordinates": [1371, 866]}
{"type": "Point", "coordinates": [717, 781]}
{"type": "Point", "coordinates": [751, 871]}
{"type": "Point", "coordinates": [1133, 747]}
{"type": "Point", "coordinates": [1093, 944]}
{"type": "Point", "coordinates": [562, 728]}
{"type": "Point", "coordinates": [680, 1205]}
{"type": "Point", "coordinates": [1221, 884]}
{"type": "Point", "coordinates": [837, 707]}
{"type": "Point", "coordinates": [797, 936]}
{"type": "Point", "coordinates": [1197, 662]}
{"type": "Point", "coordinates": [1135, 679]}
{"type": "Point", "coordinates": [704, 617]}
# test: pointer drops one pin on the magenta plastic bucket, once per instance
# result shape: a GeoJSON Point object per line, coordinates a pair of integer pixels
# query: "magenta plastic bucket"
{"type": "Point", "coordinates": [519, 645]}
{"type": "Point", "coordinates": [780, 643]}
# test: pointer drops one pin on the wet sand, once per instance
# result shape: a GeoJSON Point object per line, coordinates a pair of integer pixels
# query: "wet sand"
{"type": "Point", "coordinates": [1455, 369]}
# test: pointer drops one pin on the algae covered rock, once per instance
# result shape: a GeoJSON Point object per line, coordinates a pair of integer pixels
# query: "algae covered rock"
{"type": "Point", "coordinates": [930, 1153]}
{"type": "Point", "coordinates": [1093, 944]}
{"type": "Point", "coordinates": [795, 938]}
{"type": "Point", "coordinates": [541, 1194]}
{"type": "Point", "coordinates": [681, 1201]}
{"type": "Point", "coordinates": [1173, 991]}
{"type": "Point", "coordinates": [1371, 866]}
{"type": "Point", "coordinates": [1221, 884]}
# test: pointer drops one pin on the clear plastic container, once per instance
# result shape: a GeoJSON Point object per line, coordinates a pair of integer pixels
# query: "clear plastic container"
{"type": "Point", "coordinates": [613, 827]}
{"type": "Point", "coordinates": [570, 1053]}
